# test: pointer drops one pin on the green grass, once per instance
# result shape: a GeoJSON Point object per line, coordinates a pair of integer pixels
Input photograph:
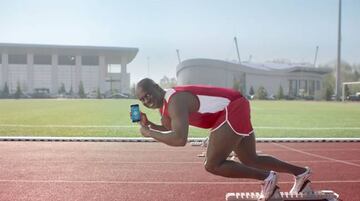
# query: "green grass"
{"type": "Point", "coordinates": [313, 119]}
{"type": "Point", "coordinates": [111, 118]}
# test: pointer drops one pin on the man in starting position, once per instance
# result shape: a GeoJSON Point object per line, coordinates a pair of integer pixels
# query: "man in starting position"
{"type": "Point", "coordinates": [227, 114]}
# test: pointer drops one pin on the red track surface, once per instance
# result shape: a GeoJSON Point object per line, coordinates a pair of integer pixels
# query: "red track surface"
{"type": "Point", "coordinates": [86, 171]}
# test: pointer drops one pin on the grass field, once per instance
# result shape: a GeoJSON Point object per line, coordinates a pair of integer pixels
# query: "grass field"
{"type": "Point", "coordinates": [94, 118]}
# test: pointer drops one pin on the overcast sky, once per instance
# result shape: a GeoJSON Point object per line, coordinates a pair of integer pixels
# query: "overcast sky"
{"type": "Point", "coordinates": [265, 29]}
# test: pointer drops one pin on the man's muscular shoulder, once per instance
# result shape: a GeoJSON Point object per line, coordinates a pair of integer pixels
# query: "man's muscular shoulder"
{"type": "Point", "coordinates": [184, 100]}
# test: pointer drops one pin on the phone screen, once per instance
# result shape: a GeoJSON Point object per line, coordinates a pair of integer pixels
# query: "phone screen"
{"type": "Point", "coordinates": [135, 113]}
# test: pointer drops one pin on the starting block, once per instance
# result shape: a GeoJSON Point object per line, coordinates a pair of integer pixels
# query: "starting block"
{"type": "Point", "coordinates": [232, 155]}
{"type": "Point", "coordinates": [203, 143]}
{"type": "Point", "coordinates": [307, 194]}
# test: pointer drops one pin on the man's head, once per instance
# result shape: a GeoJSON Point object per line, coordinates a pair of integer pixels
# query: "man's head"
{"type": "Point", "coordinates": [149, 93]}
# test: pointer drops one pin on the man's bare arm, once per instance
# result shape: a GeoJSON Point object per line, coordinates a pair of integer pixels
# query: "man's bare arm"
{"type": "Point", "coordinates": [146, 122]}
{"type": "Point", "coordinates": [179, 114]}
{"type": "Point", "coordinates": [158, 127]}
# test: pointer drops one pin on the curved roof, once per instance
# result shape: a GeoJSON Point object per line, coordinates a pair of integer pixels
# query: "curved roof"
{"type": "Point", "coordinates": [113, 54]}
{"type": "Point", "coordinates": [258, 67]}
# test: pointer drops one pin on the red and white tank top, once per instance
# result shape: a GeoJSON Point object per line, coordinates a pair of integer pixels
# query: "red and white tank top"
{"type": "Point", "coordinates": [213, 101]}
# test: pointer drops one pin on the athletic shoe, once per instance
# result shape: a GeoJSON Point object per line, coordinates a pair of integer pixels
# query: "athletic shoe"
{"type": "Point", "coordinates": [268, 186]}
{"type": "Point", "coordinates": [300, 180]}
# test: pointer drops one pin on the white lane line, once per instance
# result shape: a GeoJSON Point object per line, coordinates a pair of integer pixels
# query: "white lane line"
{"type": "Point", "coordinates": [133, 126]}
{"type": "Point", "coordinates": [67, 126]}
{"type": "Point", "coordinates": [312, 149]}
{"type": "Point", "coordinates": [159, 182]}
{"type": "Point", "coordinates": [325, 161]}
{"type": "Point", "coordinates": [316, 155]}
{"type": "Point", "coordinates": [309, 128]}
{"type": "Point", "coordinates": [144, 162]}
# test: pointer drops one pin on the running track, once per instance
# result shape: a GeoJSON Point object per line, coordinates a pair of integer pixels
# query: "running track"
{"type": "Point", "coordinates": [108, 171]}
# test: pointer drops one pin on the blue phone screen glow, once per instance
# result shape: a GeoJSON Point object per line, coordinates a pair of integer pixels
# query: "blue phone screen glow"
{"type": "Point", "coordinates": [135, 113]}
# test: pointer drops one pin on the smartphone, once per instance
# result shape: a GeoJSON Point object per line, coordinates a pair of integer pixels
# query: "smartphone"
{"type": "Point", "coordinates": [135, 113]}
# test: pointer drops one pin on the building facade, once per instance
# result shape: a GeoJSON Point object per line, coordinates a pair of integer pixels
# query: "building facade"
{"type": "Point", "coordinates": [296, 80]}
{"type": "Point", "coordinates": [49, 67]}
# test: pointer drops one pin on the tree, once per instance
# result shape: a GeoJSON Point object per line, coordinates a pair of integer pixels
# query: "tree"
{"type": "Point", "coordinates": [251, 91]}
{"type": "Point", "coordinates": [132, 90]}
{"type": "Point", "coordinates": [167, 83]}
{"type": "Point", "coordinates": [348, 73]}
{"type": "Point", "coordinates": [164, 82]}
{"type": "Point", "coordinates": [347, 91]}
{"type": "Point", "coordinates": [173, 82]}
{"type": "Point", "coordinates": [281, 61]}
{"type": "Point", "coordinates": [5, 92]}
{"type": "Point", "coordinates": [261, 93]}
{"type": "Point", "coordinates": [329, 91]}
{"type": "Point", "coordinates": [81, 90]}
{"type": "Point", "coordinates": [328, 86]}
{"type": "Point", "coordinates": [356, 76]}
{"type": "Point", "coordinates": [62, 89]}
{"type": "Point", "coordinates": [280, 94]}
{"type": "Point", "coordinates": [18, 92]}
{"type": "Point", "coordinates": [71, 91]}
{"type": "Point", "coordinates": [98, 93]}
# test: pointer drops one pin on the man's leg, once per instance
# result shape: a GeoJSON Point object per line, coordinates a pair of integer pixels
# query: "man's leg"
{"type": "Point", "coordinates": [246, 152]}
{"type": "Point", "coordinates": [221, 142]}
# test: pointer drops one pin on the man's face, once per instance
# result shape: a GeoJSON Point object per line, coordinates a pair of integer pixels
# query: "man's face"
{"type": "Point", "coordinates": [149, 99]}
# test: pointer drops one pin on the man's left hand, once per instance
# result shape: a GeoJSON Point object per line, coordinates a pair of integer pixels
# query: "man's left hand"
{"type": "Point", "coordinates": [145, 131]}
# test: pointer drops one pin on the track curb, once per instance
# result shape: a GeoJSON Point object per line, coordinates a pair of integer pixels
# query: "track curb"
{"type": "Point", "coordinates": [140, 139]}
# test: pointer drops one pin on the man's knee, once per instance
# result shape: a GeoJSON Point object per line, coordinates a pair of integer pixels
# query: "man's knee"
{"type": "Point", "coordinates": [211, 166]}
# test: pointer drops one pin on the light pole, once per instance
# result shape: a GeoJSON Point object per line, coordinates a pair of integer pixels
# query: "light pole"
{"type": "Point", "coordinates": [316, 53]}
{"type": "Point", "coordinates": [148, 67]}
{"type": "Point", "coordinates": [237, 49]}
{"type": "Point", "coordinates": [338, 72]}
{"type": "Point", "coordinates": [178, 55]}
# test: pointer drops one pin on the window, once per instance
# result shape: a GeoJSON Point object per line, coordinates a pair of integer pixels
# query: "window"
{"type": "Point", "coordinates": [293, 87]}
{"type": "Point", "coordinates": [303, 86]}
{"type": "Point", "coordinates": [17, 59]}
{"type": "Point", "coordinates": [311, 87]}
{"type": "Point", "coordinates": [66, 60]}
{"type": "Point", "coordinates": [317, 85]}
{"type": "Point", "coordinates": [42, 59]}
{"type": "Point", "coordinates": [90, 60]}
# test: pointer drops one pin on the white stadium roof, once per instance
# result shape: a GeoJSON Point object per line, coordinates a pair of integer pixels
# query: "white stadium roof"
{"type": "Point", "coordinates": [113, 54]}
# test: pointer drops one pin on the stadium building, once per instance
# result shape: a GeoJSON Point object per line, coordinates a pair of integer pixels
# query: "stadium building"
{"type": "Point", "coordinates": [295, 79]}
{"type": "Point", "coordinates": [34, 67]}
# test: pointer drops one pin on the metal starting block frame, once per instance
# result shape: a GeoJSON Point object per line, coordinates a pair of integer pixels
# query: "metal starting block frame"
{"type": "Point", "coordinates": [202, 143]}
{"type": "Point", "coordinates": [307, 194]}
{"type": "Point", "coordinates": [196, 143]}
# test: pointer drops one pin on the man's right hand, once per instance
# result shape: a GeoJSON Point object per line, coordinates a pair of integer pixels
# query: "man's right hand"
{"type": "Point", "coordinates": [144, 120]}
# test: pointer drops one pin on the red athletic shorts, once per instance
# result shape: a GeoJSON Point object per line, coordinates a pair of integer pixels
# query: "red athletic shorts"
{"type": "Point", "coordinates": [237, 115]}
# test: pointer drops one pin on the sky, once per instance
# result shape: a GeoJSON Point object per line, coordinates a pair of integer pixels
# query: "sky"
{"type": "Point", "coordinates": [265, 29]}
